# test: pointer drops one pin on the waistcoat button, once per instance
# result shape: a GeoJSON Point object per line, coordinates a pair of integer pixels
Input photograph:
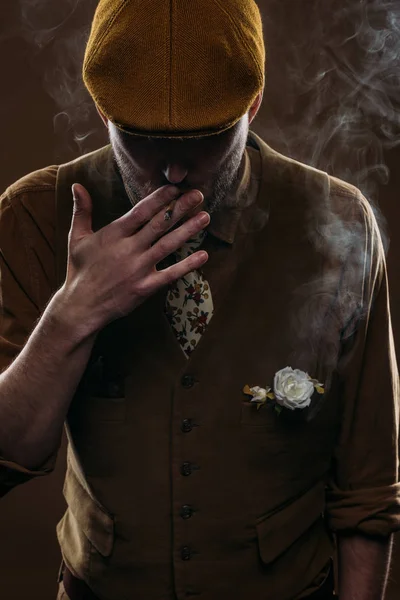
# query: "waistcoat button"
{"type": "Point", "coordinates": [187, 381]}
{"type": "Point", "coordinates": [186, 425]}
{"type": "Point", "coordinates": [186, 469]}
{"type": "Point", "coordinates": [185, 553]}
{"type": "Point", "coordinates": [186, 511]}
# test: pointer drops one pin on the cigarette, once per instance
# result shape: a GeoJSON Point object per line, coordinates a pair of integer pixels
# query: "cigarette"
{"type": "Point", "coordinates": [169, 211]}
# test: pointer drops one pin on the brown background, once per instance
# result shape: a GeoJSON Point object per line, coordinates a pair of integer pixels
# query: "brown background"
{"type": "Point", "coordinates": [38, 38]}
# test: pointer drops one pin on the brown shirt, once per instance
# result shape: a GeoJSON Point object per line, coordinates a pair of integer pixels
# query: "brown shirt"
{"type": "Point", "coordinates": [176, 484]}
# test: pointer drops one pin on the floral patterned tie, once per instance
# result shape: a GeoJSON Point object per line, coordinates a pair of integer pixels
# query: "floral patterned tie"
{"type": "Point", "coordinates": [189, 306]}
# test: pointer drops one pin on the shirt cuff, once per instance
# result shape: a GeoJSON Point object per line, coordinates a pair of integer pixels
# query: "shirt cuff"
{"type": "Point", "coordinates": [374, 511]}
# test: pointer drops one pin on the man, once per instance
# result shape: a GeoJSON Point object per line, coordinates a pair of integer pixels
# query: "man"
{"type": "Point", "coordinates": [213, 327]}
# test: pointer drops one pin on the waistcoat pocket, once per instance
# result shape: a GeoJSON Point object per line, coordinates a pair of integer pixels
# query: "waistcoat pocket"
{"type": "Point", "coordinates": [101, 392]}
{"type": "Point", "coordinates": [257, 417]}
{"type": "Point", "coordinates": [92, 519]}
{"type": "Point", "coordinates": [278, 531]}
{"type": "Point", "coordinates": [98, 408]}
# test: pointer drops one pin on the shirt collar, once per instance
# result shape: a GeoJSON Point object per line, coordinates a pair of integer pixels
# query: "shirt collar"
{"type": "Point", "coordinates": [224, 222]}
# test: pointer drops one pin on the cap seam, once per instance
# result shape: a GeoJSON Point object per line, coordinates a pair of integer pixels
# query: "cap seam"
{"type": "Point", "coordinates": [238, 33]}
{"type": "Point", "coordinates": [101, 38]}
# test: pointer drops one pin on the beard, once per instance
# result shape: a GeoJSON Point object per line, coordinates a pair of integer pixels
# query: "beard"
{"type": "Point", "coordinates": [220, 193]}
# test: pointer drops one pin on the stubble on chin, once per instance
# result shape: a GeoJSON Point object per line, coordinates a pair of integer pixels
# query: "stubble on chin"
{"type": "Point", "coordinates": [221, 194]}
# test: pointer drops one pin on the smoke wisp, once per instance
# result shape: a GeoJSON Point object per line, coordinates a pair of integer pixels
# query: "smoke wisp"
{"type": "Point", "coordinates": [57, 35]}
{"type": "Point", "coordinates": [335, 105]}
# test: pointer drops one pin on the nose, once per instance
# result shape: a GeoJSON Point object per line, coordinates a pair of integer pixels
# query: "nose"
{"type": "Point", "coordinates": [175, 173]}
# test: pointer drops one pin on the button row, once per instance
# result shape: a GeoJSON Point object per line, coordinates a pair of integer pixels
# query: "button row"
{"type": "Point", "coordinates": [187, 468]}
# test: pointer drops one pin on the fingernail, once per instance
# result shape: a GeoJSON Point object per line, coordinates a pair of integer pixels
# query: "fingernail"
{"type": "Point", "coordinates": [204, 218]}
{"type": "Point", "coordinates": [195, 197]}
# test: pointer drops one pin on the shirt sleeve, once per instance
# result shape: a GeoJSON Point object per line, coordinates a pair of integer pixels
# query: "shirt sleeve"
{"type": "Point", "coordinates": [363, 495]}
{"type": "Point", "coordinates": [26, 262]}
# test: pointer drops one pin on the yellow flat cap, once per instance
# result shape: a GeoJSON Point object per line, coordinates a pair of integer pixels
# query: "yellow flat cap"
{"type": "Point", "coordinates": [175, 68]}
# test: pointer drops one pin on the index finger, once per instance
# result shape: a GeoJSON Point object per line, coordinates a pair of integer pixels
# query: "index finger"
{"type": "Point", "coordinates": [146, 209]}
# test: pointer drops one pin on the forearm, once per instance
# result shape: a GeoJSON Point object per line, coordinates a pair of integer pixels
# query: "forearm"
{"type": "Point", "coordinates": [363, 567]}
{"type": "Point", "coordinates": [37, 388]}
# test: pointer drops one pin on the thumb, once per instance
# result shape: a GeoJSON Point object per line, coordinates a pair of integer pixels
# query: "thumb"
{"type": "Point", "coordinates": [81, 224]}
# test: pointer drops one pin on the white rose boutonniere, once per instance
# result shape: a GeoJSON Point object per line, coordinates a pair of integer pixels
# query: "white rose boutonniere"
{"type": "Point", "coordinates": [259, 394]}
{"type": "Point", "coordinates": [292, 389]}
